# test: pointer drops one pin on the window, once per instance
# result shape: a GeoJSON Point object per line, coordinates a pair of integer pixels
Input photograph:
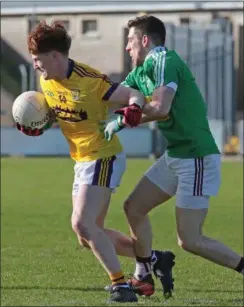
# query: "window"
{"type": "Point", "coordinates": [184, 21]}
{"type": "Point", "coordinates": [89, 27]}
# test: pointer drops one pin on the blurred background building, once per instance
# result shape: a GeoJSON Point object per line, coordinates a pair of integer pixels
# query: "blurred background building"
{"type": "Point", "coordinates": [208, 35]}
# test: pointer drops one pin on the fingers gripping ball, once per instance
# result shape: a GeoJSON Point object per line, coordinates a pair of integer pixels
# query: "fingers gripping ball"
{"type": "Point", "coordinates": [31, 113]}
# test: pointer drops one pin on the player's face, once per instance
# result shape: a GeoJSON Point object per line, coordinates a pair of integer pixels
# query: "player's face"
{"type": "Point", "coordinates": [47, 64]}
{"type": "Point", "coordinates": [136, 47]}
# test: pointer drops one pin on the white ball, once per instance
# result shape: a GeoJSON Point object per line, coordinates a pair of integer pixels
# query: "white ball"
{"type": "Point", "coordinates": [31, 110]}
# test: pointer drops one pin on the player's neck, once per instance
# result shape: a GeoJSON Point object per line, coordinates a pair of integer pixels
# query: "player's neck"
{"type": "Point", "coordinates": [63, 70]}
{"type": "Point", "coordinates": [154, 48]}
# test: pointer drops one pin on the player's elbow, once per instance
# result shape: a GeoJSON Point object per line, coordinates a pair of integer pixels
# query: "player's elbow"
{"type": "Point", "coordinates": [161, 110]}
{"type": "Point", "coordinates": [162, 100]}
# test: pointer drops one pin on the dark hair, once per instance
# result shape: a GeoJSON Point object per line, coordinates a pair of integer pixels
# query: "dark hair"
{"type": "Point", "coordinates": [151, 26]}
{"type": "Point", "coordinates": [44, 38]}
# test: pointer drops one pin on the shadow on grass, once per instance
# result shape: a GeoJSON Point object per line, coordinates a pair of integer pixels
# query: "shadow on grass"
{"type": "Point", "coordinates": [101, 289]}
{"type": "Point", "coordinates": [198, 290]}
{"type": "Point", "coordinates": [209, 302]}
{"type": "Point", "coordinates": [23, 287]}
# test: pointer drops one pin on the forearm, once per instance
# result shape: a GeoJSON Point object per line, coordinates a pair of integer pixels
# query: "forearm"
{"type": "Point", "coordinates": [160, 105]}
{"type": "Point", "coordinates": [135, 97]}
{"type": "Point", "coordinates": [152, 112]}
{"type": "Point", "coordinates": [126, 96]}
{"type": "Point", "coordinates": [146, 119]}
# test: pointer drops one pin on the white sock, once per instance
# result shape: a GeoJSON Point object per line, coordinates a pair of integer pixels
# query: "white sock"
{"type": "Point", "coordinates": [142, 270]}
{"type": "Point", "coordinates": [153, 258]}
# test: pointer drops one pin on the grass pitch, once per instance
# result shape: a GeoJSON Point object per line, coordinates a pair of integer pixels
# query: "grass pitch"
{"type": "Point", "coordinates": [42, 264]}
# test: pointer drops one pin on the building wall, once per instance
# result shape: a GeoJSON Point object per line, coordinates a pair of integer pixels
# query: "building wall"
{"type": "Point", "coordinates": [105, 50]}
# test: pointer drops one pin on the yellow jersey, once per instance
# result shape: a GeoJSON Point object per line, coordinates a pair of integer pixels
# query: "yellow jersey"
{"type": "Point", "coordinates": [79, 102]}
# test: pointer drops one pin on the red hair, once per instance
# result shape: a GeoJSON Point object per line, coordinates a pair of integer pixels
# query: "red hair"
{"type": "Point", "coordinates": [44, 38]}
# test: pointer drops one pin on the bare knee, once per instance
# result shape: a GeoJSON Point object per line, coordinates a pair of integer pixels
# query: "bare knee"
{"type": "Point", "coordinates": [190, 244]}
{"type": "Point", "coordinates": [131, 210]}
{"type": "Point", "coordinates": [83, 243]}
{"type": "Point", "coordinates": [81, 228]}
{"type": "Point", "coordinates": [127, 205]}
{"type": "Point", "coordinates": [186, 245]}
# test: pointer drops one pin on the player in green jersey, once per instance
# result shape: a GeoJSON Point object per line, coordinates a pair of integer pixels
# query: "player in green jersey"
{"type": "Point", "coordinates": [190, 167]}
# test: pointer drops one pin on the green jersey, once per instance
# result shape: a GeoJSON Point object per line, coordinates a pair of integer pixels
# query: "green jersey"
{"type": "Point", "coordinates": [186, 127]}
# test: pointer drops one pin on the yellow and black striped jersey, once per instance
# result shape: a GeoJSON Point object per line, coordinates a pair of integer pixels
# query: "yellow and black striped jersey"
{"type": "Point", "coordinates": [79, 102]}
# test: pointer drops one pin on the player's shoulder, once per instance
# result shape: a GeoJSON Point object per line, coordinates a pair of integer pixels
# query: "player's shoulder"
{"type": "Point", "coordinates": [162, 54]}
{"type": "Point", "coordinates": [135, 71]}
{"type": "Point", "coordinates": [84, 70]}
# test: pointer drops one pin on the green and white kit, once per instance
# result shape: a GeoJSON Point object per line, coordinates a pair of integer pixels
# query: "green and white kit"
{"type": "Point", "coordinates": [191, 163]}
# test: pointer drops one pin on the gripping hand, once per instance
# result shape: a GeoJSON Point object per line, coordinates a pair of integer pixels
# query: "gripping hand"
{"type": "Point", "coordinates": [132, 115]}
{"type": "Point", "coordinates": [35, 131]}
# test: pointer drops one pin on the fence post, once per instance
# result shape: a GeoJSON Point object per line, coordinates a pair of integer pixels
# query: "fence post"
{"type": "Point", "coordinates": [32, 79]}
{"type": "Point", "coordinates": [223, 88]}
{"type": "Point", "coordinates": [32, 20]}
{"type": "Point", "coordinates": [189, 46]}
{"type": "Point", "coordinates": [153, 128]}
{"type": "Point", "coordinates": [234, 89]}
{"type": "Point", "coordinates": [24, 78]}
{"type": "Point", "coordinates": [219, 82]}
{"type": "Point", "coordinates": [206, 43]}
{"type": "Point", "coordinates": [127, 65]}
{"type": "Point", "coordinates": [173, 36]}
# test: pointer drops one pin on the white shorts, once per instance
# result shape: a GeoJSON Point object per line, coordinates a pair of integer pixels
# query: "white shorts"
{"type": "Point", "coordinates": [193, 181]}
{"type": "Point", "coordinates": [106, 172]}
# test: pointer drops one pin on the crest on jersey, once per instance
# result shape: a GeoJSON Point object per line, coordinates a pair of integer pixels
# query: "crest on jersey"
{"type": "Point", "coordinates": [49, 93]}
{"type": "Point", "coordinates": [75, 93]}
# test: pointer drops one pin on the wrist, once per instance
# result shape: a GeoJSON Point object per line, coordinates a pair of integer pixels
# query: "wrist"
{"type": "Point", "coordinates": [120, 121]}
{"type": "Point", "coordinates": [137, 105]}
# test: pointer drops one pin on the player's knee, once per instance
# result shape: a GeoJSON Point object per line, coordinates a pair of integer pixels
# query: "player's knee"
{"type": "Point", "coordinates": [189, 244]}
{"type": "Point", "coordinates": [132, 213]}
{"type": "Point", "coordinates": [129, 209]}
{"type": "Point", "coordinates": [81, 229]}
{"type": "Point", "coordinates": [126, 206]}
{"type": "Point", "coordinates": [83, 243]}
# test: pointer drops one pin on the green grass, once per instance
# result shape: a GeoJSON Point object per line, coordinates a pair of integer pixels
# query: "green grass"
{"type": "Point", "coordinates": [42, 265]}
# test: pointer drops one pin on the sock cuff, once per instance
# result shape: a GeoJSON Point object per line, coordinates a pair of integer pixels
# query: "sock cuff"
{"type": "Point", "coordinates": [153, 256]}
{"type": "Point", "coordinates": [143, 259]}
{"type": "Point", "coordinates": [117, 276]}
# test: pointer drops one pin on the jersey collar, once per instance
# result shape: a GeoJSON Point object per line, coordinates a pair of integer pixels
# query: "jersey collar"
{"type": "Point", "coordinates": [155, 49]}
{"type": "Point", "coordinates": [70, 68]}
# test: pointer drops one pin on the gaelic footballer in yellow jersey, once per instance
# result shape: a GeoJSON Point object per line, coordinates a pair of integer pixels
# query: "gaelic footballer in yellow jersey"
{"type": "Point", "coordinates": [80, 104]}
{"type": "Point", "coordinates": [80, 95]}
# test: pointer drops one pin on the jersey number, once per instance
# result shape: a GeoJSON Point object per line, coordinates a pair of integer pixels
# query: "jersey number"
{"type": "Point", "coordinates": [62, 98]}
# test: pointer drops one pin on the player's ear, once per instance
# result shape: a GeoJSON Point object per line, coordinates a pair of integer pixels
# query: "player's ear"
{"type": "Point", "coordinates": [145, 40]}
{"type": "Point", "coordinates": [54, 55]}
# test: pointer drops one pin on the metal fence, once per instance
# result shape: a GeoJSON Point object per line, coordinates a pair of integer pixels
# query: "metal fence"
{"type": "Point", "coordinates": [208, 49]}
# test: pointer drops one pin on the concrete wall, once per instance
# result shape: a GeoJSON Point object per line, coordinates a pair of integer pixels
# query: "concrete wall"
{"type": "Point", "coordinates": [6, 108]}
{"type": "Point", "coordinates": [137, 142]}
{"type": "Point", "coordinates": [105, 51]}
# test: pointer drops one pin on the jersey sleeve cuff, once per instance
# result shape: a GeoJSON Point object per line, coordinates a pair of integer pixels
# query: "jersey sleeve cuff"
{"type": "Point", "coordinates": [110, 91]}
{"type": "Point", "coordinates": [172, 85]}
